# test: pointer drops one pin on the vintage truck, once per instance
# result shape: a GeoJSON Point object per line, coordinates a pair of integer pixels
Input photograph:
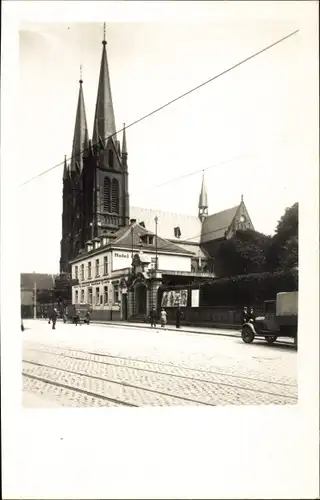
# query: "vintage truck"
{"type": "Point", "coordinates": [280, 319]}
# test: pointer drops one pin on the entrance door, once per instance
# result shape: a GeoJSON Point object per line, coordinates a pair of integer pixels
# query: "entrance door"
{"type": "Point", "coordinates": [124, 307]}
{"type": "Point", "coordinates": [141, 299]}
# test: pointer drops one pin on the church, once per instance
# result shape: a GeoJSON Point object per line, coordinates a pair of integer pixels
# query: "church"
{"type": "Point", "coordinates": [98, 222]}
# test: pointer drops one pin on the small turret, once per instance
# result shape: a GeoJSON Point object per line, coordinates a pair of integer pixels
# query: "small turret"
{"type": "Point", "coordinates": [124, 151]}
{"type": "Point", "coordinates": [65, 169]}
{"type": "Point", "coordinates": [203, 201]}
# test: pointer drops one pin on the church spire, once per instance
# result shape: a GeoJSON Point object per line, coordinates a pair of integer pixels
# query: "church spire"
{"type": "Point", "coordinates": [203, 201]}
{"type": "Point", "coordinates": [80, 137]}
{"type": "Point", "coordinates": [104, 121]}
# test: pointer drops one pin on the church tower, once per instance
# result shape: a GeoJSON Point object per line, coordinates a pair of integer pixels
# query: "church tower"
{"type": "Point", "coordinates": [203, 201]}
{"type": "Point", "coordinates": [106, 170]}
{"type": "Point", "coordinates": [73, 187]}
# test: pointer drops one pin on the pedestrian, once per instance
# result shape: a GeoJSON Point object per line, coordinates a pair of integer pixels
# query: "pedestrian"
{"type": "Point", "coordinates": [77, 318]}
{"type": "Point", "coordinates": [245, 315]}
{"type": "Point", "coordinates": [178, 317]}
{"type": "Point", "coordinates": [153, 317]}
{"type": "Point", "coordinates": [53, 318]}
{"type": "Point", "coordinates": [64, 317]}
{"type": "Point", "coordinates": [163, 318]}
{"type": "Point", "coordinates": [88, 317]}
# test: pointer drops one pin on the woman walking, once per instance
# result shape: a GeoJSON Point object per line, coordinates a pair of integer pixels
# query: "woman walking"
{"type": "Point", "coordinates": [163, 318]}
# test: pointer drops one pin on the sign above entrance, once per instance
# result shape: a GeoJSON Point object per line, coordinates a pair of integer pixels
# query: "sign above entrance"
{"type": "Point", "coordinates": [121, 260]}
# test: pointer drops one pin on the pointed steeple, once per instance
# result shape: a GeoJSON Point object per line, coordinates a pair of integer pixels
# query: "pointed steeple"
{"type": "Point", "coordinates": [81, 136]}
{"type": "Point", "coordinates": [203, 201]}
{"type": "Point", "coordinates": [104, 121]}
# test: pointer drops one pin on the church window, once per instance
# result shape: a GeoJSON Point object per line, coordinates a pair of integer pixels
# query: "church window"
{"type": "Point", "coordinates": [110, 158]}
{"type": "Point", "coordinates": [115, 196]}
{"type": "Point", "coordinates": [106, 195]}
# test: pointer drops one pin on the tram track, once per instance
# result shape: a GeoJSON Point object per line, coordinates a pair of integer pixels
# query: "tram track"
{"type": "Point", "coordinates": [122, 383]}
{"type": "Point", "coordinates": [234, 387]}
{"type": "Point", "coordinates": [167, 365]}
{"type": "Point", "coordinates": [78, 390]}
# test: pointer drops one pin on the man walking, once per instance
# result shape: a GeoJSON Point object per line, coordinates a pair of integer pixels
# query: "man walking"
{"type": "Point", "coordinates": [153, 317]}
{"type": "Point", "coordinates": [54, 316]}
{"type": "Point", "coordinates": [178, 317]}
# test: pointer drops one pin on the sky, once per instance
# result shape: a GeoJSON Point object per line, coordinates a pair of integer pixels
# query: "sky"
{"type": "Point", "coordinates": [246, 125]}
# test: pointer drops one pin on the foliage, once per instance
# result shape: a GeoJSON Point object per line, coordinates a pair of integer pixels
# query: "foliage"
{"type": "Point", "coordinates": [248, 289]}
{"type": "Point", "coordinates": [283, 250]}
{"type": "Point", "coordinates": [244, 253]}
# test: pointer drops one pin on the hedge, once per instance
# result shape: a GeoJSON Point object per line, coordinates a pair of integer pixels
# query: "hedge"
{"type": "Point", "coordinates": [248, 289]}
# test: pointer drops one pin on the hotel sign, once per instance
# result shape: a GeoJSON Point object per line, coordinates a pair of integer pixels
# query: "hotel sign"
{"type": "Point", "coordinates": [121, 260]}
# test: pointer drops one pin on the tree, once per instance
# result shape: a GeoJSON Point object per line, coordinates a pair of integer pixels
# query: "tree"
{"type": "Point", "coordinates": [283, 250]}
{"type": "Point", "coordinates": [244, 253]}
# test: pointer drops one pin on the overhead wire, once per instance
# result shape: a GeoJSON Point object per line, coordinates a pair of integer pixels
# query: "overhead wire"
{"type": "Point", "coordinates": [243, 61]}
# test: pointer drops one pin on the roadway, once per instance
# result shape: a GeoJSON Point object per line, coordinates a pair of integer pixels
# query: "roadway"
{"type": "Point", "coordinates": [113, 365]}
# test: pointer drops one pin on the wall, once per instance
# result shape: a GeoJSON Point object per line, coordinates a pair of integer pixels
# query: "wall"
{"type": "Point", "coordinates": [207, 316]}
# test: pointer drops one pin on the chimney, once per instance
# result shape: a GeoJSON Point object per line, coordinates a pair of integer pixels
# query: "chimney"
{"type": "Point", "coordinates": [132, 221]}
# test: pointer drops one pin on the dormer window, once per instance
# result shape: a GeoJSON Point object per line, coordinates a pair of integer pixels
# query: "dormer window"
{"type": "Point", "coordinates": [147, 239]}
{"type": "Point", "coordinates": [177, 232]}
{"type": "Point", "coordinates": [142, 224]}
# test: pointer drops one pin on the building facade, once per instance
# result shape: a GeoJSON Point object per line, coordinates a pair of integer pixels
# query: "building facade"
{"type": "Point", "coordinates": [118, 277]}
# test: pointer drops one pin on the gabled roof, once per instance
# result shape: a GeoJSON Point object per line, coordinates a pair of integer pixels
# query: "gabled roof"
{"type": "Point", "coordinates": [132, 237]}
{"type": "Point", "coordinates": [190, 225]}
{"type": "Point", "coordinates": [42, 281]}
{"type": "Point", "coordinates": [215, 225]}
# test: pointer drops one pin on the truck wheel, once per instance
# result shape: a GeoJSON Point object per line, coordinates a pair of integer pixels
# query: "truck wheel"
{"type": "Point", "coordinates": [247, 335]}
{"type": "Point", "coordinates": [271, 340]}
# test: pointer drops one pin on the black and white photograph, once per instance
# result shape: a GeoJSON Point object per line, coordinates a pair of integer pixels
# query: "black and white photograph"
{"type": "Point", "coordinates": [109, 311]}
{"type": "Point", "coordinates": [159, 192]}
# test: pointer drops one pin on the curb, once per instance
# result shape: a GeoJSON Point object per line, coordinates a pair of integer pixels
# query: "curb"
{"type": "Point", "coordinates": [143, 325]}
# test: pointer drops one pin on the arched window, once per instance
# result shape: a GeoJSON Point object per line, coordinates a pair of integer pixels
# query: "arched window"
{"type": "Point", "coordinates": [110, 158]}
{"type": "Point", "coordinates": [106, 195]}
{"type": "Point", "coordinates": [115, 196]}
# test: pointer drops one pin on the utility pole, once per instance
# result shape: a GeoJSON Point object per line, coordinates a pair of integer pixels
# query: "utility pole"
{"type": "Point", "coordinates": [156, 222]}
{"type": "Point", "coordinates": [35, 301]}
{"type": "Point", "coordinates": [156, 219]}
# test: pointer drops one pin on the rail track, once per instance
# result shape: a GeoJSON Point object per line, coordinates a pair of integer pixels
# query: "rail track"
{"type": "Point", "coordinates": [111, 361]}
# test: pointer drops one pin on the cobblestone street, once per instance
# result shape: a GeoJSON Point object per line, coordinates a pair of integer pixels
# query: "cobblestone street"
{"type": "Point", "coordinates": [105, 365]}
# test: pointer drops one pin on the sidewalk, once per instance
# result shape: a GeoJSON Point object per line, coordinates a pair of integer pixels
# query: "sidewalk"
{"type": "Point", "coordinates": [223, 329]}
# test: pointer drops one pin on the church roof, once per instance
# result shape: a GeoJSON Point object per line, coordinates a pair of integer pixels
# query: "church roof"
{"type": "Point", "coordinates": [190, 225]}
{"type": "Point", "coordinates": [215, 225]}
